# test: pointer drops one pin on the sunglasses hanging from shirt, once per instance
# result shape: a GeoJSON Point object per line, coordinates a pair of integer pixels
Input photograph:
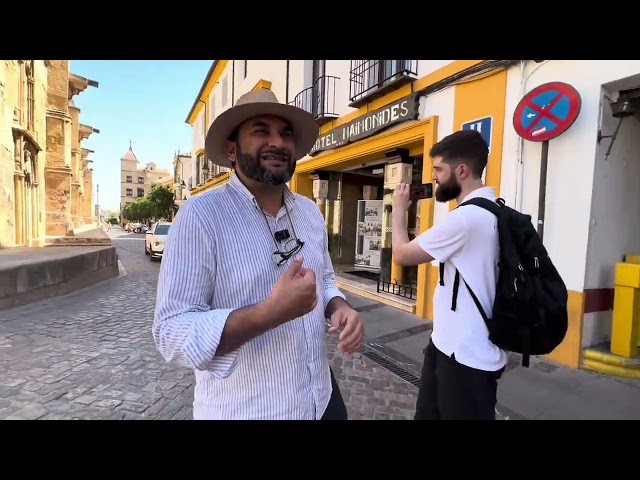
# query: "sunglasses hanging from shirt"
{"type": "Point", "coordinates": [291, 246]}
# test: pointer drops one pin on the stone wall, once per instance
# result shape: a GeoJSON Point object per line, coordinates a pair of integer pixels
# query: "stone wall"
{"type": "Point", "coordinates": [21, 211]}
{"type": "Point", "coordinates": [58, 172]}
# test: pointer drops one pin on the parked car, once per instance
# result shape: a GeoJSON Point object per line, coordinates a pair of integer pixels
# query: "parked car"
{"type": "Point", "coordinates": [155, 239]}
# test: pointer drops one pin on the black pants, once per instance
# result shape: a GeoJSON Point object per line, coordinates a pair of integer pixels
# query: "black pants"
{"type": "Point", "coordinates": [336, 410]}
{"type": "Point", "coordinates": [452, 391]}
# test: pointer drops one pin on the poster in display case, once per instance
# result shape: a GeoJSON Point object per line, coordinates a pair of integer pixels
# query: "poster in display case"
{"type": "Point", "coordinates": [369, 234]}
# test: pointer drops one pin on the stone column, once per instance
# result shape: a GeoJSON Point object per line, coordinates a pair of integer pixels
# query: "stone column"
{"type": "Point", "coordinates": [58, 174]}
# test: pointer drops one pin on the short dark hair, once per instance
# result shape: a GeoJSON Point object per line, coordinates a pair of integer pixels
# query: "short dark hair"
{"type": "Point", "coordinates": [464, 146]}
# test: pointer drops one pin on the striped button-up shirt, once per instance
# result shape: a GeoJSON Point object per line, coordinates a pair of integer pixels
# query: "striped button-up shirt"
{"type": "Point", "coordinates": [218, 257]}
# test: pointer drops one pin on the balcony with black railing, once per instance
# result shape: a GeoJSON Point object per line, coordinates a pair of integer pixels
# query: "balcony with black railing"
{"type": "Point", "coordinates": [319, 99]}
{"type": "Point", "coordinates": [369, 79]}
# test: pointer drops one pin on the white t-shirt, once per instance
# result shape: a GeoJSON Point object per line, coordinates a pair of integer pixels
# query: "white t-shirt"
{"type": "Point", "coordinates": [466, 239]}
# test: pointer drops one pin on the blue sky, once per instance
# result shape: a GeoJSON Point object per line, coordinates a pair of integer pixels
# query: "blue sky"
{"type": "Point", "coordinates": [146, 101]}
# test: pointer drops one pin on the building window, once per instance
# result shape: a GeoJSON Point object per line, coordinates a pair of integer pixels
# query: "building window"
{"type": "Point", "coordinates": [141, 180]}
{"type": "Point", "coordinates": [141, 192]}
{"type": "Point", "coordinates": [371, 78]}
{"type": "Point", "coordinates": [225, 92]}
{"type": "Point", "coordinates": [199, 173]}
{"type": "Point", "coordinates": [129, 179]}
{"type": "Point", "coordinates": [129, 192]}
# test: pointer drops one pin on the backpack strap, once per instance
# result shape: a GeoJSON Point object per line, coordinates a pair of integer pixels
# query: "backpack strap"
{"type": "Point", "coordinates": [490, 205]}
{"type": "Point", "coordinates": [493, 207]}
{"type": "Point", "coordinates": [456, 286]}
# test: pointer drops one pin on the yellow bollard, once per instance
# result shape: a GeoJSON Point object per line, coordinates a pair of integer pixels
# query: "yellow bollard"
{"type": "Point", "coordinates": [635, 259]}
{"type": "Point", "coordinates": [626, 310]}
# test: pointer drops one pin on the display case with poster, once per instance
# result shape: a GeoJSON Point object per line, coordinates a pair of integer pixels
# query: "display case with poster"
{"type": "Point", "coordinates": [369, 234]}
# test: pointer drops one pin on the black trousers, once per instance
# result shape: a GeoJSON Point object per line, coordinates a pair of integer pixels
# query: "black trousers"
{"type": "Point", "coordinates": [336, 410]}
{"type": "Point", "coordinates": [452, 391]}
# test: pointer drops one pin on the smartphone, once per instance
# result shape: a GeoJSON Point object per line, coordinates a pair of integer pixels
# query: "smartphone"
{"type": "Point", "coordinates": [421, 192]}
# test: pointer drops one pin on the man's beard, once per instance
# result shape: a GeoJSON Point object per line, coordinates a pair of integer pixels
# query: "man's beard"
{"type": "Point", "coordinates": [250, 166]}
{"type": "Point", "coordinates": [449, 190]}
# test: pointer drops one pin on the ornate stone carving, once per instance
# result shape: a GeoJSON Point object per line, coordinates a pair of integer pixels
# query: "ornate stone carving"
{"type": "Point", "coordinates": [16, 157]}
{"type": "Point", "coordinates": [27, 162]}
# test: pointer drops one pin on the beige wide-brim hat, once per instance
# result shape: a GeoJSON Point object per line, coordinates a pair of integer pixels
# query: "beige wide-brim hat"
{"type": "Point", "coordinates": [253, 104]}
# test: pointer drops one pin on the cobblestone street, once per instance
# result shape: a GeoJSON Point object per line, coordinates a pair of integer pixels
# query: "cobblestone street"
{"type": "Point", "coordinates": [90, 355]}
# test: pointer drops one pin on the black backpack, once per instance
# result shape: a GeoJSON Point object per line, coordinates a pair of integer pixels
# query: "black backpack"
{"type": "Point", "coordinates": [530, 307]}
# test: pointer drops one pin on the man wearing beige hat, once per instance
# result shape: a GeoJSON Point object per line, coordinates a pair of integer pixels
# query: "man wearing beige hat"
{"type": "Point", "coordinates": [246, 281]}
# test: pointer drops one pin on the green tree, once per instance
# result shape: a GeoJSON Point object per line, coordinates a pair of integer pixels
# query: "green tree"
{"type": "Point", "coordinates": [140, 210]}
{"type": "Point", "coordinates": [112, 220]}
{"type": "Point", "coordinates": [161, 201]}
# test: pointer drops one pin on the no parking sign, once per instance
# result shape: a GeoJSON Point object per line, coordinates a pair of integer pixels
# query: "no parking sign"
{"type": "Point", "coordinates": [542, 114]}
{"type": "Point", "coordinates": [547, 111]}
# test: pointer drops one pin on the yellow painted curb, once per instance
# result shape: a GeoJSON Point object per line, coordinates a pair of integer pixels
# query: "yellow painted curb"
{"type": "Point", "coordinates": [608, 369]}
{"type": "Point", "coordinates": [610, 359]}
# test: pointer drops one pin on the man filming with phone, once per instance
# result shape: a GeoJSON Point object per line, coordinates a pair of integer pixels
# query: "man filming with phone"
{"type": "Point", "coordinates": [246, 281]}
{"type": "Point", "coordinates": [461, 365]}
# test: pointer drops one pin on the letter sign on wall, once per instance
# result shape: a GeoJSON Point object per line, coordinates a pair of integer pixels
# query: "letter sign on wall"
{"type": "Point", "coordinates": [482, 125]}
{"type": "Point", "coordinates": [369, 124]}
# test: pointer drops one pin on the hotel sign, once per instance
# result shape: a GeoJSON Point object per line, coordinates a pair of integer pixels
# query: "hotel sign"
{"type": "Point", "coordinates": [369, 124]}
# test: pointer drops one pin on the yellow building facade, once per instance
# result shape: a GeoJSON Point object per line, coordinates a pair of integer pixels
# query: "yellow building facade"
{"type": "Point", "coordinates": [378, 120]}
{"type": "Point", "coordinates": [342, 171]}
{"type": "Point", "coordinates": [356, 161]}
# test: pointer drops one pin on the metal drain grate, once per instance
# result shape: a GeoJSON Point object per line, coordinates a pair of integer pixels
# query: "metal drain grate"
{"type": "Point", "coordinates": [546, 367]}
{"type": "Point", "coordinates": [393, 368]}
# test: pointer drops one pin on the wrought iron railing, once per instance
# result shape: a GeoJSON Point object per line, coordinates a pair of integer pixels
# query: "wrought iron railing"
{"type": "Point", "coordinates": [319, 99]}
{"type": "Point", "coordinates": [409, 290]}
{"type": "Point", "coordinates": [368, 76]}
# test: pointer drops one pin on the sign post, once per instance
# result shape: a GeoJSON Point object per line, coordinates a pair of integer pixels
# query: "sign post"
{"type": "Point", "coordinates": [544, 113]}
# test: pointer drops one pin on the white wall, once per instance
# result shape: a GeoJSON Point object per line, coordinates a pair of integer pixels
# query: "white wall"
{"type": "Point", "coordinates": [440, 104]}
{"type": "Point", "coordinates": [571, 159]}
{"type": "Point", "coordinates": [273, 71]}
{"type": "Point", "coordinates": [300, 72]}
{"type": "Point", "coordinates": [297, 78]}
{"type": "Point", "coordinates": [220, 96]}
{"type": "Point", "coordinates": [340, 69]}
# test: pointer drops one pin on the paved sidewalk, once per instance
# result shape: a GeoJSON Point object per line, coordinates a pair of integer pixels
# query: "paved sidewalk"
{"type": "Point", "coordinates": [90, 355]}
{"type": "Point", "coordinates": [544, 391]}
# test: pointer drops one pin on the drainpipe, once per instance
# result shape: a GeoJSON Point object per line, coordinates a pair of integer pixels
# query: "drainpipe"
{"type": "Point", "coordinates": [233, 81]}
{"type": "Point", "coordinates": [286, 95]}
{"type": "Point", "coordinates": [204, 128]}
